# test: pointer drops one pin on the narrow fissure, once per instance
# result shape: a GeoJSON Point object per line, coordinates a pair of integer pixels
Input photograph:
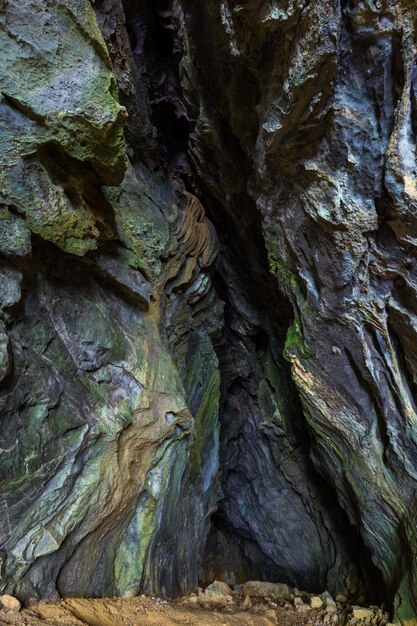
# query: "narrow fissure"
{"type": "Point", "coordinates": [208, 308]}
{"type": "Point", "coordinates": [261, 417]}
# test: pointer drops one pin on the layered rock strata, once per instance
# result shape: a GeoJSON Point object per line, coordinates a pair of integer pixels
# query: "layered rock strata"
{"type": "Point", "coordinates": [207, 286]}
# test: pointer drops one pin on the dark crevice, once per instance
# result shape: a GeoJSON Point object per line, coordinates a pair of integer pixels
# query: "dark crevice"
{"type": "Point", "coordinates": [248, 559]}
{"type": "Point", "coordinates": [173, 128]}
{"type": "Point", "coordinates": [256, 313]}
{"type": "Point", "coordinates": [163, 39]}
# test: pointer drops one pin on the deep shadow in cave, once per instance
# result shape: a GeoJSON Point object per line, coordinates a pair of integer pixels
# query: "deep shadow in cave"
{"type": "Point", "coordinates": [232, 551]}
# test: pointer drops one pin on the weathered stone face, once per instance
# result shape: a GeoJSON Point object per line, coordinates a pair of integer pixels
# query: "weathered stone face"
{"type": "Point", "coordinates": [103, 478]}
{"type": "Point", "coordinates": [328, 145]}
{"type": "Point", "coordinates": [207, 295]}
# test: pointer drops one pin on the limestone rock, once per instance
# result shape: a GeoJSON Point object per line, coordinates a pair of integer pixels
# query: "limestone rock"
{"type": "Point", "coordinates": [208, 319]}
{"type": "Point", "coordinates": [327, 599]}
{"type": "Point", "coordinates": [220, 588]}
{"type": "Point", "coordinates": [361, 613]}
{"type": "Point", "coordinates": [14, 234]}
{"type": "Point", "coordinates": [316, 602]}
{"type": "Point", "coordinates": [10, 603]}
{"type": "Point", "coordinates": [193, 601]}
{"type": "Point", "coordinates": [300, 606]}
{"type": "Point", "coordinates": [341, 598]}
{"type": "Point", "coordinates": [247, 603]}
{"type": "Point", "coordinates": [270, 614]}
{"type": "Point", "coordinates": [277, 591]}
{"type": "Point", "coordinates": [10, 289]}
{"type": "Point", "coordinates": [4, 352]}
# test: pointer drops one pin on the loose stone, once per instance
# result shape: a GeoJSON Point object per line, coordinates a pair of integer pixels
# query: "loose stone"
{"type": "Point", "coordinates": [10, 602]}
{"type": "Point", "coordinates": [316, 602]}
{"type": "Point", "coordinates": [247, 603]}
{"type": "Point", "coordinates": [341, 598]}
{"type": "Point", "coordinates": [361, 613]}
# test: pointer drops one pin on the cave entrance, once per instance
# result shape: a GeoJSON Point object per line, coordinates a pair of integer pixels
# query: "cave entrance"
{"type": "Point", "coordinates": [278, 520]}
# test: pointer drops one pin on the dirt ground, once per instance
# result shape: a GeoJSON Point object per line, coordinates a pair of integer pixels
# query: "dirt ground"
{"type": "Point", "coordinates": [255, 603]}
{"type": "Point", "coordinates": [144, 611]}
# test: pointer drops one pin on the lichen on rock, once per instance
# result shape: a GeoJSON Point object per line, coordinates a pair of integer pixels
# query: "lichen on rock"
{"type": "Point", "coordinates": [207, 297]}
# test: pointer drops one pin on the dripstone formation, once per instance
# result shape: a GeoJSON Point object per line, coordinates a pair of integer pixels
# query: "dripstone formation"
{"type": "Point", "coordinates": [208, 281]}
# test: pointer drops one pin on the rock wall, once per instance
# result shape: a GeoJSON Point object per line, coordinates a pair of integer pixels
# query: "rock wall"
{"type": "Point", "coordinates": [207, 337]}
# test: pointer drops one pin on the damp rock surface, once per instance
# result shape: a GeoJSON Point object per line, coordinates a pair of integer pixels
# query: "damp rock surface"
{"type": "Point", "coordinates": [208, 298]}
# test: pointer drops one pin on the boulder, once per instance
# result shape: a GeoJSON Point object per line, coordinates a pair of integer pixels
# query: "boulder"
{"type": "Point", "coordinates": [327, 599]}
{"type": "Point", "coordinates": [316, 602]}
{"type": "Point", "coordinates": [278, 591]}
{"type": "Point", "coordinates": [219, 588]}
{"type": "Point", "coordinates": [361, 613]}
{"type": "Point", "coordinates": [215, 595]}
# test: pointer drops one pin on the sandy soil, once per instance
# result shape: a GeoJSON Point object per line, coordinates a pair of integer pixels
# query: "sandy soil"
{"type": "Point", "coordinates": [148, 612]}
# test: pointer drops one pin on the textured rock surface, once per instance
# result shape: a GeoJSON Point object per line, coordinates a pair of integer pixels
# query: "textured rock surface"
{"type": "Point", "coordinates": [217, 605]}
{"type": "Point", "coordinates": [207, 286]}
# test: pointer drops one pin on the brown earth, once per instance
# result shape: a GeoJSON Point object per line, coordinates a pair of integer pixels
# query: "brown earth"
{"type": "Point", "coordinates": [143, 611]}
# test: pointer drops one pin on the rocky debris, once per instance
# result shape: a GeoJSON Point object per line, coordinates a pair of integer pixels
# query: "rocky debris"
{"type": "Point", "coordinates": [213, 605]}
{"type": "Point", "coordinates": [256, 588]}
{"type": "Point", "coordinates": [267, 598]}
{"type": "Point", "coordinates": [140, 611]}
{"type": "Point", "coordinates": [217, 594]}
{"type": "Point", "coordinates": [301, 606]}
{"type": "Point", "coordinates": [10, 603]}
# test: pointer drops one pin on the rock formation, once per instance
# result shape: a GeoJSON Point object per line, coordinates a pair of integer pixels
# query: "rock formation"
{"type": "Point", "coordinates": [208, 296]}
